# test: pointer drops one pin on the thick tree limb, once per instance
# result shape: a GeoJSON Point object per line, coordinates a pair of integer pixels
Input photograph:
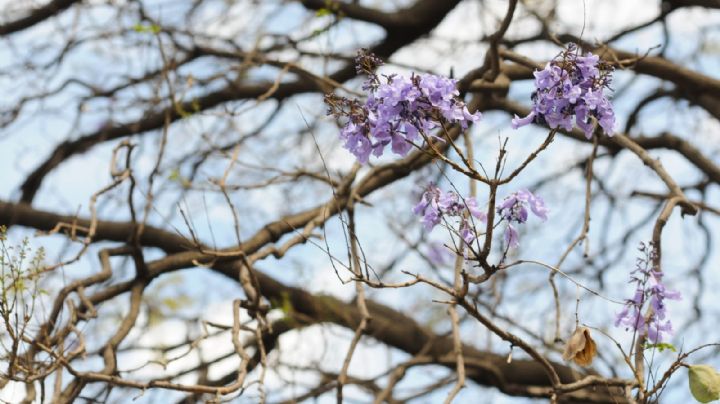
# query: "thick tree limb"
{"type": "Point", "coordinates": [521, 377]}
{"type": "Point", "coordinates": [36, 16]}
{"type": "Point", "coordinates": [673, 4]}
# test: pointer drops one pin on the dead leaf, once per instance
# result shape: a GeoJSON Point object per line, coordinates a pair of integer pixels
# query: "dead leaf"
{"type": "Point", "coordinates": [580, 347]}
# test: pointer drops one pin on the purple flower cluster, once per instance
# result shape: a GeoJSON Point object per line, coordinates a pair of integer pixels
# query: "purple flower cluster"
{"type": "Point", "coordinates": [436, 205]}
{"type": "Point", "coordinates": [514, 209]}
{"type": "Point", "coordinates": [572, 85]}
{"type": "Point", "coordinates": [648, 288]}
{"type": "Point", "coordinates": [398, 110]}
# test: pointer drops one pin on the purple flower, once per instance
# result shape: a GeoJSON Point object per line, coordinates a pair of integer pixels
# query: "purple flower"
{"type": "Point", "coordinates": [419, 209]}
{"type": "Point", "coordinates": [570, 86]}
{"type": "Point", "coordinates": [518, 122]}
{"type": "Point", "coordinates": [511, 237]}
{"type": "Point", "coordinates": [438, 254]}
{"type": "Point", "coordinates": [514, 209]}
{"type": "Point", "coordinates": [466, 232]}
{"type": "Point", "coordinates": [656, 329]}
{"type": "Point", "coordinates": [631, 317]}
{"type": "Point", "coordinates": [588, 65]}
{"type": "Point", "coordinates": [435, 205]}
{"type": "Point", "coordinates": [648, 288]}
{"type": "Point", "coordinates": [356, 142]}
{"type": "Point", "coordinates": [449, 202]}
{"type": "Point", "coordinates": [537, 205]}
{"type": "Point", "coordinates": [397, 111]}
{"type": "Point", "coordinates": [471, 205]}
{"type": "Point", "coordinates": [431, 219]}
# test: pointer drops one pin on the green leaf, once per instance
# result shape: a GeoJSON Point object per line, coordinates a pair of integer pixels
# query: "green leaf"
{"type": "Point", "coordinates": [174, 175]}
{"type": "Point", "coordinates": [181, 111]}
{"type": "Point", "coordinates": [661, 346]}
{"type": "Point", "coordinates": [323, 12]}
{"type": "Point", "coordinates": [177, 177]}
{"type": "Point", "coordinates": [171, 303]}
{"type": "Point", "coordinates": [176, 303]}
{"type": "Point", "coordinates": [286, 304]}
{"type": "Point", "coordinates": [143, 29]}
{"type": "Point", "coordinates": [704, 383]}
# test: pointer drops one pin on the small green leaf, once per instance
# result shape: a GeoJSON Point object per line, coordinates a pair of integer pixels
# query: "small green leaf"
{"type": "Point", "coordinates": [144, 29]}
{"type": "Point", "coordinates": [171, 303]}
{"type": "Point", "coordinates": [323, 12]}
{"type": "Point", "coordinates": [181, 111]}
{"type": "Point", "coordinates": [176, 303]}
{"type": "Point", "coordinates": [286, 304]}
{"type": "Point", "coordinates": [661, 346]}
{"type": "Point", "coordinates": [174, 175]}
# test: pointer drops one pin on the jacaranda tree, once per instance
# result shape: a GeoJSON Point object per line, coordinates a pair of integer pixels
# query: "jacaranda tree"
{"type": "Point", "coordinates": [359, 201]}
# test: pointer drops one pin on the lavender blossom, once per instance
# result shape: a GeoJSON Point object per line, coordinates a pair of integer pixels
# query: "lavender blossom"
{"type": "Point", "coordinates": [514, 209]}
{"type": "Point", "coordinates": [438, 254]}
{"type": "Point", "coordinates": [435, 205]}
{"type": "Point", "coordinates": [398, 112]}
{"type": "Point", "coordinates": [572, 85]}
{"type": "Point", "coordinates": [648, 289]}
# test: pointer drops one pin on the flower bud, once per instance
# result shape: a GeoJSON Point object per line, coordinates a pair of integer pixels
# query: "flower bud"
{"type": "Point", "coordinates": [704, 383]}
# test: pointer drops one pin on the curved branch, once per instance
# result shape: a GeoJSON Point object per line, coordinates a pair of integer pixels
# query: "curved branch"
{"type": "Point", "coordinates": [663, 141]}
{"type": "Point", "coordinates": [426, 15]}
{"type": "Point", "coordinates": [36, 16]}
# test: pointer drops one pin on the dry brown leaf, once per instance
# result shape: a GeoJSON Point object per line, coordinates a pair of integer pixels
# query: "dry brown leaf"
{"type": "Point", "coordinates": [580, 347]}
